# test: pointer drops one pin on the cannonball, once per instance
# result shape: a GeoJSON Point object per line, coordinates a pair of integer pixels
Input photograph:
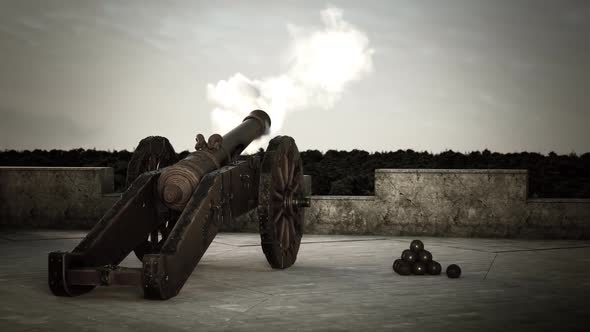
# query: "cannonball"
{"type": "Point", "coordinates": [453, 271]}
{"type": "Point", "coordinates": [404, 268]}
{"type": "Point", "coordinates": [424, 256]}
{"type": "Point", "coordinates": [433, 268]}
{"type": "Point", "coordinates": [416, 246]}
{"type": "Point", "coordinates": [404, 252]}
{"type": "Point", "coordinates": [409, 256]}
{"type": "Point", "coordinates": [396, 263]}
{"type": "Point", "coordinates": [418, 268]}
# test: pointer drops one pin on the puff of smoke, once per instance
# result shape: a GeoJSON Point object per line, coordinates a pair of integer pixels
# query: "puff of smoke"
{"type": "Point", "coordinates": [322, 62]}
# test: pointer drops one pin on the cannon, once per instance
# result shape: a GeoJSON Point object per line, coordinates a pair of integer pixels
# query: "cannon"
{"type": "Point", "coordinates": [172, 211]}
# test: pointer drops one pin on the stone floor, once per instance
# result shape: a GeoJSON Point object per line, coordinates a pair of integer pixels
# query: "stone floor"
{"type": "Point", "coordinates": [338, 283]}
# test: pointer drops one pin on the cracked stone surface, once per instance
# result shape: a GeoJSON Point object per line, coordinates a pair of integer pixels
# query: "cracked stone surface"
{"type": "Point", "coordinates": [339, 283]}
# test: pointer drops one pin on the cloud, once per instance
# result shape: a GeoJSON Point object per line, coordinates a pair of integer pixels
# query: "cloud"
{"type": "Point", "coordinates": [322, 63]}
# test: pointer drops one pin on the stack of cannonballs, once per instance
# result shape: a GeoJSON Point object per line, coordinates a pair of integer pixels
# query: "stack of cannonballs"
{"type": "Point", "coordinates": [418, 261]}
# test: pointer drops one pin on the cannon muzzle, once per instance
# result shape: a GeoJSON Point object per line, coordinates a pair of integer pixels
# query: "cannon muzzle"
{"type": "Point", "coordinates": [178, 182]}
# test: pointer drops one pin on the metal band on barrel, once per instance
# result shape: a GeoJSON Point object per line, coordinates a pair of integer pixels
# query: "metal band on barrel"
{"type": "Point", "coordinates": [212, 158]}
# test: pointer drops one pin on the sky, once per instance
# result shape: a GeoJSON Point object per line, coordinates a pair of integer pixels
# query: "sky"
{"type": "Point", "coordinates": [467, 75]}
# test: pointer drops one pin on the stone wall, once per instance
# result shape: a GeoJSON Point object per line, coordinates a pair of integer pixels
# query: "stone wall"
{"type": "Point", "coordinates": [460, 203]}
{"type": "Point", "coordinates": [55, 197]}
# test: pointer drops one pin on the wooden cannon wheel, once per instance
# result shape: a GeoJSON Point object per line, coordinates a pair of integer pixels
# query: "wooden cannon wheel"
{"type": "Point", "coordinates": [152, 153]}
{"type": "Point", "coordinates": [280, 200]}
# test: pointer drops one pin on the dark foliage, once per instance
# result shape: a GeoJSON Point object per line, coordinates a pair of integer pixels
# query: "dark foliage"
{"type": "Point", "coordinates": [118, 160]}
{"type": "Point", "coordinates": [352, 172]}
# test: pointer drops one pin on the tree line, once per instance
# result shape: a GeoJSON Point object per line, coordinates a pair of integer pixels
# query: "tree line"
{"type": "Point", "coordinates": [352, 172]}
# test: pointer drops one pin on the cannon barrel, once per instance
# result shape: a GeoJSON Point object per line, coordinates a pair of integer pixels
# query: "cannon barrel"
{"type": "Point", "coordinates": [178, 182]}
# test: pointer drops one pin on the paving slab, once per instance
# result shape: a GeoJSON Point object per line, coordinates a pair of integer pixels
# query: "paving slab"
{"type": "Point", "coordinates": [339, 283]}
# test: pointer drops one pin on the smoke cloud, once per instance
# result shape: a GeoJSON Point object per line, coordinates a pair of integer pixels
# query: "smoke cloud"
{"type": "Point", "coordinates": [322, 62]}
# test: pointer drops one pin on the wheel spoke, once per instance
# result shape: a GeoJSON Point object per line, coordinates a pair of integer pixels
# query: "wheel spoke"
{"type": "Point", "coordinates": [282, 233]}
{"type": "Point", "coordinates": [292, 226]}
{"type": "Point", "coordinates": [164, 230]}
{"type": "Point", "coordinates": [278, 195]}
{"type": "Point", "coordinates": [285, 169]}
{"type": "Point", "coordinates": [154, 238]}
{"type": "Point", "coordinates": [296, 186]}
{"type": "Point", "coordinates": [290, 181]}
{"type": "Point", "coordinates": [286, 242]}
{"type": "Point", "coordinates": [277, 217]}
{"type": "Point", "coordinates": [281, 179]}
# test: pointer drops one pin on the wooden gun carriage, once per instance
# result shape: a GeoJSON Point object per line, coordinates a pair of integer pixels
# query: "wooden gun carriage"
{"type": "Point", "coordinates": [172, 211]}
